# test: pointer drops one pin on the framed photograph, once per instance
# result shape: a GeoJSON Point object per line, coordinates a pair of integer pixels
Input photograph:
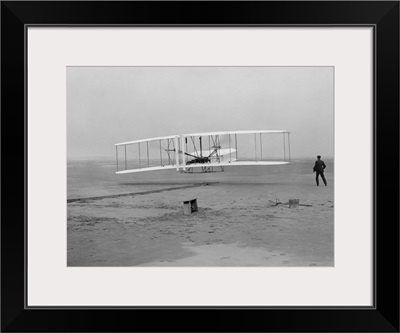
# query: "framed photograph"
{"type": "Point", "coordinates": [224, 161]}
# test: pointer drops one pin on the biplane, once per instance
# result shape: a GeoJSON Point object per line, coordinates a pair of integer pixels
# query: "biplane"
{"type": "Point", "coordinates": [204, 152]}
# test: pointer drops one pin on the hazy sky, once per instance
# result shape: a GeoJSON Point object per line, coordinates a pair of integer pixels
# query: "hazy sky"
{"type": "Point", "coordinates": [107, 105]}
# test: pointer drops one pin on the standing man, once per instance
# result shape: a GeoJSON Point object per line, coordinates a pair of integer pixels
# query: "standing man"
{"type": "Point", "coordinates": [319, 168]}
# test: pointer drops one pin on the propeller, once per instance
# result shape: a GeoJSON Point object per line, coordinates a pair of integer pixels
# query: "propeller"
{"type": "Point", "coordinates": [215, 150]}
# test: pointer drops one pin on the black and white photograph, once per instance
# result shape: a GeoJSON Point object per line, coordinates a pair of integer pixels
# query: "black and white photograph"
{"type": "Point", "coordinates": [200, 166]}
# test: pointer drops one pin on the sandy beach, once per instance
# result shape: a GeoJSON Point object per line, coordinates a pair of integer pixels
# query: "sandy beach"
{"type": "Point", "coordinates": [243, 220]}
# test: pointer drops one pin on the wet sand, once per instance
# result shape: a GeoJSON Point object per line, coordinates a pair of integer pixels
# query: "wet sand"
{"type": "Point", "coordinates": [238, 222]}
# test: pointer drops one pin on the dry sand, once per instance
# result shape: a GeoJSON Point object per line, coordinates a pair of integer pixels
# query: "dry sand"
{"type": "Point", "coordinates": [237, 225]}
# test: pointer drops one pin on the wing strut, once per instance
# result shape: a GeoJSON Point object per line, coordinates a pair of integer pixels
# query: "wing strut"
{"type": "Point", "coordinates": [230, 149]}
{"type": "Point", "coordinates": [116, 151]}
{"type": "Point", "coordinates": [284, 148]}
{"type": "Point", "coordinates": [236, 147]}
{"type": "Point", "coordinates": [183, 155]}
{"type": "Point", "coordinates": [160, 155]}
{"type": "Point", "coordinates": [255, 146]}
{"type": "Point", "coordinates": [140, 164]}
{"type": "Point", "coordinates": [148, 161]}
{"type": "Point", "coordinates": [176, 153]}
{"type": "Point", "coordinates": [126, 167]}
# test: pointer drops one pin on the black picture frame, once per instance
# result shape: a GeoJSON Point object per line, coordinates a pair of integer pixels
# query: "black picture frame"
{"type": "Point", "coordinates": [383, 316]}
